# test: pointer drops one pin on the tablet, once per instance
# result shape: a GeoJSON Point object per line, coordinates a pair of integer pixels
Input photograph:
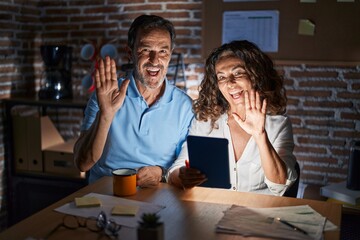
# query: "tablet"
{"type": "Point", "coordinates": [210, 156]}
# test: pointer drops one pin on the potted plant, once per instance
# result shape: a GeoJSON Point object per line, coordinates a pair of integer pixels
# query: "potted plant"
{"type": "Point", "coordinates": [150, 227]}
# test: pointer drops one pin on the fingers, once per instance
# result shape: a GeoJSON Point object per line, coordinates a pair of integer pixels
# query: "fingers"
{"type": "Point", "coordinates": [237, 118]}
{"type": "Point", "coordinates": [257, 101]}
{"type": "Point", "coordinates": [97, 78]}
{"type": "Point", "coordinates": [264, 105]}
{"type": "Point", "coordinates": [107, 68]}
{"type": "Point", "coordinates": [191, 177]}
{"type": "Point", "coordinates": [253, 101]}
{"type": "Point", "coordinates": [123, 87]}
{"type": "Point", "coordinates": [113, 70]}
{"type": "Point", "coordinates": [105, 71]}
{"type": "Point", "coordinates": [148, 176]}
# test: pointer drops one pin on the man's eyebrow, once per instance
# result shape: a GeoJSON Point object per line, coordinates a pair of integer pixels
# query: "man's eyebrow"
{"type": "Point", "coordinates": [148, 45]}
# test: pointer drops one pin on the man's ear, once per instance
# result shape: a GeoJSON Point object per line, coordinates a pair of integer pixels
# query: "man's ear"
{"type": "Point", "coordinates": [128, 52]}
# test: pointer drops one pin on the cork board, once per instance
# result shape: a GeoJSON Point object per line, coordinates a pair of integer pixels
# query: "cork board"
{"type": "Point", "coordinates": [337, 28]}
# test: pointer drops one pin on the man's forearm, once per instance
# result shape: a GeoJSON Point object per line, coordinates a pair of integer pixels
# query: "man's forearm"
{"type": "Point", "coordinates": [90, 145]}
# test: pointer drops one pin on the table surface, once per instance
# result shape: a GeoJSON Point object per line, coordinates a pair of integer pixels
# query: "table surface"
{"type": "Point", "coordinates": [189, 214]}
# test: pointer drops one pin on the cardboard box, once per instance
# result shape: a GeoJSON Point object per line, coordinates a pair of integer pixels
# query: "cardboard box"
{"type": "Point", "coordinates": [59, 160]}
{"type": "Point", "coordinates": [33, 134]}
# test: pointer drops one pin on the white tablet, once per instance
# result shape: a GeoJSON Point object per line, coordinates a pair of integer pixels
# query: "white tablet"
{"type": "Point", "coordinates": [210, 156]}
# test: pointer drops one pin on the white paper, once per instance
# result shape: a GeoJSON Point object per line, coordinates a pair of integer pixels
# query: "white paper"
{"type": "Point", "coordinates": [261, 222]}
{"type": "Point", "coordinates": [259, 27]}
{"type": "Point", "coordinates": [107, 203]}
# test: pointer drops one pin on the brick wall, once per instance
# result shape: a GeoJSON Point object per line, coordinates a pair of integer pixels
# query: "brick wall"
{"type": "Point", "coordinates": [324, 99]}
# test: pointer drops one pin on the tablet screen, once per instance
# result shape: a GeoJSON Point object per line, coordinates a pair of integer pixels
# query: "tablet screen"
{"type": "Point", "coordinates": [210, 156]}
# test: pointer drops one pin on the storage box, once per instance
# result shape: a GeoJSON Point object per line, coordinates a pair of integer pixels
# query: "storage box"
{"type": "Point", "coordinates": [33, 134]}
{"type": "Point", "coordinates": [59, 160]}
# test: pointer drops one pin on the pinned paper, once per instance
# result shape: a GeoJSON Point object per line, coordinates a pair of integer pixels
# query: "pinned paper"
{"type": "Point", "coordinates": [306, 27]}
{"type": "Point", "coordinates": [124, 210]}
{"type": "Point", "coordinates": [87, 202]}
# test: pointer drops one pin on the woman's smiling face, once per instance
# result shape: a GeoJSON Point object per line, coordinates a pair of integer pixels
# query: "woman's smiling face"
{"type": "Point", "coordinates": [232, 79]}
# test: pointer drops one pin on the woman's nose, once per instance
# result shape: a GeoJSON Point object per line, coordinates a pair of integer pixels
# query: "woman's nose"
{"type": "Point", "coordinates": [231, 80]}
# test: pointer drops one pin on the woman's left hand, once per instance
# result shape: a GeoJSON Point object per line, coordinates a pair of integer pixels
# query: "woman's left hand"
{"type": "Point", "coordinates": [255, 114]}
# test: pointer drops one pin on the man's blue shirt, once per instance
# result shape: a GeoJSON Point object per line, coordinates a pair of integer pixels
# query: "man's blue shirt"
{"type": "Point", "coordinates": [141, 135]}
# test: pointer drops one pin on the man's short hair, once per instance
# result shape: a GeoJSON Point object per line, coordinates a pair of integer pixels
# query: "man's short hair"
{"type": "Point", "coordinates": [146, 22]}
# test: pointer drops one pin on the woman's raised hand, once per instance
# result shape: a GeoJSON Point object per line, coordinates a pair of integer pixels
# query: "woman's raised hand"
{"type": "Point", "coordinates": [255, 114]}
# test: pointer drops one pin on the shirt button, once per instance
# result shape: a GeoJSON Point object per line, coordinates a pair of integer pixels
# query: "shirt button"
{"type": "Point", "coordinates": [234, 188]}
{"type": "Point", "coordinates": [235, 169]}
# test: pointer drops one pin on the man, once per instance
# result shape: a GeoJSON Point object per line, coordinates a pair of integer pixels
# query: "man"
{"type": "Point", "coordinates": [138, 122]}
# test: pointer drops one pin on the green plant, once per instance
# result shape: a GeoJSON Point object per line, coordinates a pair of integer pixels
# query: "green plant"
{"type": "Point", "coordinates": [149, 220]}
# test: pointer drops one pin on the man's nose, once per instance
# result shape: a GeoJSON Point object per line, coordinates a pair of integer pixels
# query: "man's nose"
{"type": "Point", "coordinates": [154, 57]}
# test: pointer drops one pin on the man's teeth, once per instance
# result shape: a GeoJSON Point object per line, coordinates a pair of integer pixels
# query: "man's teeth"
{"type": "Point", "coordinates": [153, 73]}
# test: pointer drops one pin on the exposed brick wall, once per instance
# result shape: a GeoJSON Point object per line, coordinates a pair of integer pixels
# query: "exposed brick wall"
{"type": "Point", "coordinates": [324, 103]}
{"type": "Point", "coordinates": [324, 100]}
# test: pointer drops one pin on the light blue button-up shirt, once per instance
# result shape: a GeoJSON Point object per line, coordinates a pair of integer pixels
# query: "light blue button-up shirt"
{"type": "Point", "coordinates": [141, 135]}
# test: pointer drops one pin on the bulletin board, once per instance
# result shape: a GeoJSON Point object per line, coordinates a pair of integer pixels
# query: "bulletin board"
{"type": "Point", "coordinates": [337, 28]}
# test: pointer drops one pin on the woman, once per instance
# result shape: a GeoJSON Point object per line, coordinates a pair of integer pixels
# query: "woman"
{"type": "Point", "coordinates": [242, 98]}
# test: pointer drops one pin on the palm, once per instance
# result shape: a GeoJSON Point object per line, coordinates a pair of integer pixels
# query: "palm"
{"type": "Point", "coordinates": [110, 97]}
{"type": "Point", "coordinates": [255, 114]}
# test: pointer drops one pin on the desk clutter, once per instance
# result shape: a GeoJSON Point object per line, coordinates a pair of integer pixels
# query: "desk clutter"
{"type": "Point", "coordinates": [123, 211]}
{"type": "Point", "coordinates": [293, 222]}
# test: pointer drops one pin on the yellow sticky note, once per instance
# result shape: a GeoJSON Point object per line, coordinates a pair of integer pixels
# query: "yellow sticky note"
{"type": "Point", "coordinates": [306, 27]}
{"type": "Point", "coordinates": [124, 210]}
{"type": "Point", "coordinates": [87, 202]}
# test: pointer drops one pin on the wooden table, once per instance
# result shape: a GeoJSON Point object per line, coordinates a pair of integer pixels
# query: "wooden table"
{"type": "Point", "coordinates": [189, 214]}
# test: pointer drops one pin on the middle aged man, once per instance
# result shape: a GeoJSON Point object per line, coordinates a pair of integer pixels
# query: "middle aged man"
{"type": "Point", "coordinates": [140, 121]}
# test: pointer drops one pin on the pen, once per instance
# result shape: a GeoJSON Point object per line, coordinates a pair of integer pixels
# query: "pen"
{"type": "Point", "coordinates": [292, 226]}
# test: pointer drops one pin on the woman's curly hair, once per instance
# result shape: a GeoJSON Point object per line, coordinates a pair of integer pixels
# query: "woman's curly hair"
{"type": "Point", "coordinates": [211, 104]}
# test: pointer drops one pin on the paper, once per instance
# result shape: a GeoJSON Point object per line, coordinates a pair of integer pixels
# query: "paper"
{"type": "Point", "coordinates": [124, 210]}
{"type": "Point", "coordinates": [87, 202]}
{"type": "Point", "coordinates": [259, 27]}
{"type": "Point", "coordinates": [306, 27]}
{"type": "Point", "coordinates": [260, 222]}
{"type": "Point", "coordinates": [107, 204]}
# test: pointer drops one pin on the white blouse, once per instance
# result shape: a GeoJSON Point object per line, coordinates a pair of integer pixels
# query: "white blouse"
{"type": "Point", "coordinates": [247, 175]}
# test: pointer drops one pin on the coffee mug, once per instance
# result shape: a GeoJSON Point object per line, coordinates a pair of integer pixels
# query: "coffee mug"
{"type": "Point", "coordinates": [124, 182]}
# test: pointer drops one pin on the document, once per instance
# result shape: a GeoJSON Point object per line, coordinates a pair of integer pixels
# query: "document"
{"type": "Point", "coordinates": [260, 27]}
{"type": "Point", "coordinates": [262, 222]}
{"type": "Point", "coordinates": [107, 204]}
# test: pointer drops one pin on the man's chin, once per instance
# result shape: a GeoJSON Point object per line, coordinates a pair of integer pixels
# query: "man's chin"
{"type": "Point", "coordinates": [153, 84]}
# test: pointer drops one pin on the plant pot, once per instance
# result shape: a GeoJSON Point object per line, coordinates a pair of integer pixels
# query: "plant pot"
{"type": "Point", "coordinates": [151, 233]}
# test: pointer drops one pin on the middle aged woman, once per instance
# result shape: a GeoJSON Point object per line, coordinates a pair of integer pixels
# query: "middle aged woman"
{"type": "Point", "coordinates": [242, 99]}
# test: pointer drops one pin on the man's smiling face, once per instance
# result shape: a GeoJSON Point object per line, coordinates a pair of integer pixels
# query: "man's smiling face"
{"type": "Point", "coordinates": [151, 56]}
